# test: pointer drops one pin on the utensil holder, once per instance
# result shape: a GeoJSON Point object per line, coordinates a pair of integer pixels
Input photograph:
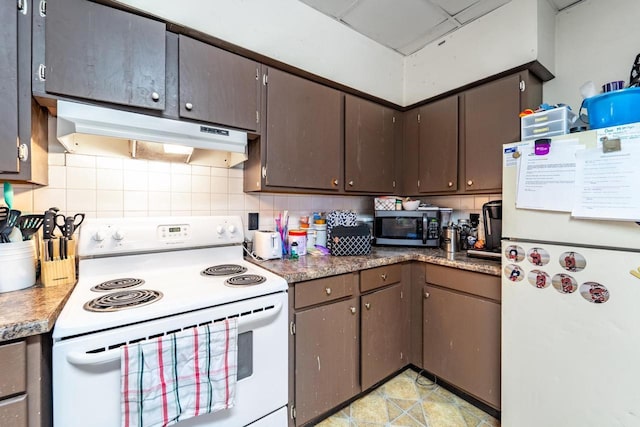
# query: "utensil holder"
{"type": "Point", "coordinates": [59, 271]}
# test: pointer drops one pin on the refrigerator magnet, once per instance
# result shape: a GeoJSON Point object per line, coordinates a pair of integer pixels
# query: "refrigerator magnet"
{"type": "Point", "coordinates": [594, 292]}
{"type": "Point", "coordinates": [514, 253]}
{"type": "Point", "coordinates": [538, 256]}
{"type": "Point", "coordinates": [513, 272]}
{"type": "Point", "coordinates": [572, 261]}
{"type": "Point", "coordinates": [539, 279]}
{"type": "Point", "coordinates": [564, 283]}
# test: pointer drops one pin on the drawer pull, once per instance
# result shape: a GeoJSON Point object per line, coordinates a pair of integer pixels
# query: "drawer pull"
{"type": "Point", "coordinates": [353, 310]}
{"type": "Point", "coordinates": [155, 96]}
{"type": "Point", "coordinates": [188, 106]}
{"type": "Point", "coordinates": [426, 295]}
{"type": "Point", "coordinates": [383, 276]}
{"type": "Point", "coordinates": [470, 183]}
{"type": "Point", "coordinates": [450, 184]}
{"type": "Point", "coordinates": [328, 291]}
{"type": "Point", "coordinates": [367, 306]}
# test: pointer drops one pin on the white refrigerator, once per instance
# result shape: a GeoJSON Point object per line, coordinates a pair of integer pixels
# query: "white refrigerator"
{"type": "Point", "coordinates": [570, 312]}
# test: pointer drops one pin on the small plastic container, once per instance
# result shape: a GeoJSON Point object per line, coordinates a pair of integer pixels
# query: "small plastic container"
{"type": "Point", "coordinates": [546, 123]}
{"type": "Point", "coordinates": [321, 234]}
{"type": "Point", "coordinates": [17, 265]}
{"type": "Point", "coordinates": [299, 237]}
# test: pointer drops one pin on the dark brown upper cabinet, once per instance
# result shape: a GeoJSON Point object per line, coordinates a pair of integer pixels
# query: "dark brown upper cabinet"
{"type": "Point", "coordinates": [99, 53]}
{"type": "Point", "coordinates": [217, 86]}
{"type": "Point", "coordinates": [369, 146]}
{"type": "Point", "coordinates": [431, 147]}
{"type": "Point", "coordinates": [9, 86]}
{"type": "Point", "coordinates": [23, 125]}
{"type": "Point", "coordinates": [301, 148]}
{"type": "Point", "coordinates": [490, 120]}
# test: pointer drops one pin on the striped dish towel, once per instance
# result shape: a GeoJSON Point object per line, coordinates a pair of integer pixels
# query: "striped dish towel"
{"type": "Point", "coordinates": [178, 376]}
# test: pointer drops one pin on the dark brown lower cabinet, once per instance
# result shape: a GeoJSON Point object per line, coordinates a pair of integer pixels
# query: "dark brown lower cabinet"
{"type": "Point", "coordinates": [25, 383]}
{"type": "Point", "coordinates": [326, 358]}
{"type": "Point", "coordinates": [384, 334]}
{"type": "Point", "coordinates": [461, 334]}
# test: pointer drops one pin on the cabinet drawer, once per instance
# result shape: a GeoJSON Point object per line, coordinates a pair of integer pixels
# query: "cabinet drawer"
{"type": "Point", "coordinates": [13, 412]}
{"type": "Point", "coordinates": [326, 289]}
{"type": "Point", "coordinates": [482, 285]}
{"type": "Point", "coordinates": [12, 369]}
{"type": "Point", "coordinates": [379, 277]}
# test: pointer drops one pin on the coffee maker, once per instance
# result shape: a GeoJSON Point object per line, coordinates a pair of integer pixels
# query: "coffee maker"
{"type": "Point", "coordinates": [492, 219]}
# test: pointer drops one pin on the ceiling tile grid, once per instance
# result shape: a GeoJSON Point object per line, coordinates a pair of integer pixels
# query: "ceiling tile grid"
{"type": "Point", "coordinates": [407, 26]}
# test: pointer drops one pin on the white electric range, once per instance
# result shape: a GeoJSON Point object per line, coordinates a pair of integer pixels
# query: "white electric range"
{"type": "Point", "coordinates": [140, 278]}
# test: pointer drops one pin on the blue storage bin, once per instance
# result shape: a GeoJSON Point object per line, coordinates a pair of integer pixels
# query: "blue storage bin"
{"type": "Point", "coordinates": [614, 108]}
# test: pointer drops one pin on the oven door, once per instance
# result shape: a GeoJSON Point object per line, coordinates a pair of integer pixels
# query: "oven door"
{"type": "Point", "coordinates": [86, 369]}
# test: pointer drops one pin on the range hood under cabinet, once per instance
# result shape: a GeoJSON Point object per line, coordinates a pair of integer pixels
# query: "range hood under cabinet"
{"type": "Point", "coordinates": [89, 129]}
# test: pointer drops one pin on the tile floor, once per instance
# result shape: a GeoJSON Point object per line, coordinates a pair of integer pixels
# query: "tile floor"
{"type": "Point", "coordinates": [402, 402]}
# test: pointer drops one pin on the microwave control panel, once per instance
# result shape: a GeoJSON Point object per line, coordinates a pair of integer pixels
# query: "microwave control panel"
{"type": "Point", "coordinates": [433, 229]}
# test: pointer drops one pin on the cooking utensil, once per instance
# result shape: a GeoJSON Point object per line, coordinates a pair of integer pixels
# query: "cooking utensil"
{"type": "Point", "coordinates": [67, 226]}
{"type": "Point", "coordinates": [8, 225]}
{"type": "Point", "coordinates": [29, 225]}
{"type": "Point", "coordinates": [8, 195]}
{"type": "Point", "coordinates": [4, 212]}
{"type": "Point", "coordinates": [47, 232]}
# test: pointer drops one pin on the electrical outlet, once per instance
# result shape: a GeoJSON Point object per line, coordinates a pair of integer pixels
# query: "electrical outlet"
{"type": "Point", "coordinates": [253, 221]}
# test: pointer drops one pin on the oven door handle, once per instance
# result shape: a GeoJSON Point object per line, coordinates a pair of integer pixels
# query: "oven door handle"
{"type": "Point", "coordinates": [84, 359]}
{"type": "Point", "coordinates": [80, 358]}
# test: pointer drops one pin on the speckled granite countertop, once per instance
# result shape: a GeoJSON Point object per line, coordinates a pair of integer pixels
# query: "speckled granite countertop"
{"type": "Point", "coordinates": [31, 311]}
{"type": "Point", "coordinates": [314, 267]}
{"type": "Point", "coordinates": [34, 310]}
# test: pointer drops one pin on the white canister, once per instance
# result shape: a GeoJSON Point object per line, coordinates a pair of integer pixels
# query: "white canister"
{"type": "Point", "coordinates": [17, 266]}
{"type": "Point", "coordinates": [321, 234]}
{"type": "Point", "coordinates": [300, 237]}
{"type": "Point", "coordinates": [311, 238]}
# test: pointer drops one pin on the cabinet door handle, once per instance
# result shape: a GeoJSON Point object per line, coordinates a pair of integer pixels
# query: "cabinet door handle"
{"type": "Point", "coordinates": [188, 106]}
{"type": "Point", "coordinates": [426, 295]}
{"type": "Point", "coordinates": [450, 184]}
{"type": "Point", "coordinates": [383, 276]}
{"type": "Point", "coordinates": [155, 96]}
{"type": "Point", "coordinates": [367, 306]}
{"type": "Point", "coordinates": [470, 183]}
{"type": "Point", "coordinates": [353, 310]}
{"type": "Point", "coordinates": [23, 152]}
{"type": "Point", "coordinates": [350, 183]}
{"type": "Point", "coordinates": [328, 291]}
{"type": "Point", "coordinates": [335, 182]}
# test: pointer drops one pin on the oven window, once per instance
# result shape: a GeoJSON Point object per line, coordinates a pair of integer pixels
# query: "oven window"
{"type": "Point", "coordinates": [399, 228]}
{"type": "Point", "coordinates": [245, 355]}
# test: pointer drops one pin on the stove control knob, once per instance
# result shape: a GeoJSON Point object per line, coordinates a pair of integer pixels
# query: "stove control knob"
{"type": "Point", "coordinates": [99, 236]}
{"type": "Point", "coordinates": [232, 229]}
{"type": "Point", "coordinates": [219, 229]}
{"type": "Point", "coordinates": [118, 235]}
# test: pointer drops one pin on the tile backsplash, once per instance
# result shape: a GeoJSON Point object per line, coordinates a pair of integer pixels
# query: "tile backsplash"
{"type": "Point", "coordinates": [118, 187]}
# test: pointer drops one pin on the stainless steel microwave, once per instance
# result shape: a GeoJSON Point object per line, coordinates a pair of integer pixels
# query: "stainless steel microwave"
{"type": "Point", "coordinates": [408, 228]}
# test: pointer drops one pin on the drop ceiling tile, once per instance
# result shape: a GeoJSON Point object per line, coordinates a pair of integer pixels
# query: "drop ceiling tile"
{"type": "Point", "coordinates": [333, 8]}
{"type": "Point", "coordinates": [454, 6]}
{"type": "Point", "coordinates": [479, 9]}
{"type": "Point", "coordinates": [387, 23]}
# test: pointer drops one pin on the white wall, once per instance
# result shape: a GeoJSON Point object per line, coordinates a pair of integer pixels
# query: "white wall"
{"type": "Point", "coordinates": [503, 39]}
{"type": "Point", "coordinates": [294, 33]}
{"type": "Point", "coordinates": [595, 40]}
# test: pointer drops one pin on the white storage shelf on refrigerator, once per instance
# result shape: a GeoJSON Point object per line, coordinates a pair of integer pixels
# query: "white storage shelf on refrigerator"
{"type": "Point", "coordinates": [546, 124]}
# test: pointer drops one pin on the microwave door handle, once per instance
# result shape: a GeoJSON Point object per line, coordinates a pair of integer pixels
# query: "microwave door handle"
{"type": "Point", "coordinates": [425, 228]}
